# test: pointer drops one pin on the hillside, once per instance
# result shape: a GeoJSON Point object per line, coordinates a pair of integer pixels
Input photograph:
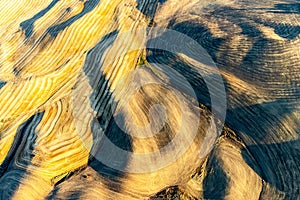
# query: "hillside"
{"type": "Point", "coordinates": [157, 99]}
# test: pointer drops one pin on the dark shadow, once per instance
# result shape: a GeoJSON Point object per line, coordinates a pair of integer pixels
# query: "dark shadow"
{"type": "Point", "coordinates": [121, 140]}
{"type": "Point", "coordinates": [201, 34]}
{"type": "Point", "coordinates": [88, 7]}
{"type": "Point", "coordinates": [287, 31]}
{"type": "Point", "coordinates": [28, 25]}
{"type": "Point", "coordinates": [101, 101]}
{"type": "Point", "coordinates": [172, 192]}
{"type": "Point", "coordinates": [280, 8]}
{"type": "Point", "coordinates": [293, 8]}
{"type": "Point", "coordinates": [53, 193]}
{"type": "Point", "coordinates": [278, 165]}
{"type": "Point", "coordinates": [13, 168]}
{"type": "Point", "coordinates": [75, 196]}
{"type": "Point", "coordinates": [176, 63]}
{"type": "Point", "coordinates": [258, 120]}
{"type": "Point", "coordinates": [149, 7]}
{"type": "Point", "coordinates": [282, 29]}
{"type": "Point", "coordinates": [56, 189]}
{"type": "Point", "coordinates": [2, 83]}
{"type": "Point", "coordinates": [215, 182]}
{"type": "Point", "coordinates": [162, 1]}
{"type": "Point", "coordinates": [16, 71]}
{"type": "Point", "coordinates": [198, 33]}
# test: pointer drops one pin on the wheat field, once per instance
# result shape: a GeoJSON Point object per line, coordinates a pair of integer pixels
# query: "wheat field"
{"type": "Point", "coordinates": [79, 75]}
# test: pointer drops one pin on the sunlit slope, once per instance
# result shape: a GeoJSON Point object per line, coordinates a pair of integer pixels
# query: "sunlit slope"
{"type": "Point", "coordinates": [66, 82]}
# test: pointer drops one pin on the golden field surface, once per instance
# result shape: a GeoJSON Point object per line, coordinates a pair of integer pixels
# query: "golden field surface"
{"type": "Point", "coordinates": [92, 108]}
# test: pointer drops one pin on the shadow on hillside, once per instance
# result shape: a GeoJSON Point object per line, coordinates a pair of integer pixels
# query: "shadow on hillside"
{"type": "Point", "coordinates": [13, 168]}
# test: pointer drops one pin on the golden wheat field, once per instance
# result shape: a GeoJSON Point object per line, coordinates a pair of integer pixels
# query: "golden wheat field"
{"type": "Point", "coordinates": [149, 99]}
